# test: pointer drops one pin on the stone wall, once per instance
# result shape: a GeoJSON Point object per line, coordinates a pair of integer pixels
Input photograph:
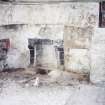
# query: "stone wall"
{"type": "Point", "coordinates": [18, 55]}
{"type": "Point", "coordinates": [77, 45]}
{"type": "Point", "coordinates": [78, 37]}
{"type": "Point", "coordinates": [98, 56]}
{"type": "Point", "coordinates": [78, 14]}
{"type": "Point", "coordinates": [77, 22]}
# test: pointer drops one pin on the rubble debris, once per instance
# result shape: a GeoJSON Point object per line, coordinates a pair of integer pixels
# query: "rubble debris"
{"type": "Point", "coordinates": [65, 77]}
{"type": "Point", "coordinates": [9, 70]}
{"type": "Point", "coordinates": [27, 80]}
{"type": "Point", "coordinates": [41, 71]}
{"type": "Point", "coordinates": [36, 83]}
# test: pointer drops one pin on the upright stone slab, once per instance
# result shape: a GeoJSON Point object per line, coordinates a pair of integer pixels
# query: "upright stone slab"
{"type": "Point", "coordinates": [97, 73]}
{"type": "Point", "coordinates": [77, 42]}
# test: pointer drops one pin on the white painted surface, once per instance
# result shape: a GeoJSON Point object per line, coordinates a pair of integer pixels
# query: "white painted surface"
{"type": "Point", "coordinates": [78, 61]}
{"type": "Point", "coordinates": [77, 14]}
{"type": "Point", "coordinates": [18, 56]}
{"type": "Point", "coordinates": [56, 16]}
{"type": "Point", "coordinates": [13, 94]}
{"type": "Point", "coordinates": [98, 56]}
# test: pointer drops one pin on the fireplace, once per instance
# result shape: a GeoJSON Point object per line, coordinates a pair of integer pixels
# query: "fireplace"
{"type": "Point", "coordinates": [37, 48]}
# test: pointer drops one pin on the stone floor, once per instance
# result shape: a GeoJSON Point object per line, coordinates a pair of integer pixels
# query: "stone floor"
{"type": "Point", "coordinates": [13, 92]}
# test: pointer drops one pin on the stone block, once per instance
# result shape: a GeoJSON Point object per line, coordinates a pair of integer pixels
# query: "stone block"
{"type": "Point", "coordinates": [77, 37]}
{"type": "Point", "coordinates": [77, 60]}
{"type": "Point", "coordinates": [97, 73]}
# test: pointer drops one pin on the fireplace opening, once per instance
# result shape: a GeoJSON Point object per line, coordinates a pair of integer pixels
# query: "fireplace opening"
{"type": "Point", "coordinates": [38, 46]}
{"type": "Point", "coordinates": [31, 48]}
{"type": "Point", "coordinates": [4, 47]}
{"type": "Point", "coordinates": [61, 55]}
{"type": "Point", "coordinates": [32, 56]}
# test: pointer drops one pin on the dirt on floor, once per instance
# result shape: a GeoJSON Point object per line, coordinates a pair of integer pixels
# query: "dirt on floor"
{"type": "Point", "coordinates": [26, 87]}
{"type": "Point", "coordinates": [30, 77]}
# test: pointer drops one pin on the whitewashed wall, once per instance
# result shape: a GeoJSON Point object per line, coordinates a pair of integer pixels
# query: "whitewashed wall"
{"type": "Point", "coordinates": [63, 13]}
{"type": "Point", "coordinates": [18, 56]}
{"type": "Point", "coordinates": [84, 52]}
{"type": "Point", "coordinates": [98, 56]}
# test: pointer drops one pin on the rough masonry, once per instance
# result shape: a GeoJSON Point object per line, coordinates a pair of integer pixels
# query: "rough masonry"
{"type": "Point", "coordinates": [74, 23]}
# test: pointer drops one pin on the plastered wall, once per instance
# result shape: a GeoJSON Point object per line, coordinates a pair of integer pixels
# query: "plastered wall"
{"type": "Point", "coordinates": [19, 55]}
{"type": "Point", "coordinates": [76, 23]}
